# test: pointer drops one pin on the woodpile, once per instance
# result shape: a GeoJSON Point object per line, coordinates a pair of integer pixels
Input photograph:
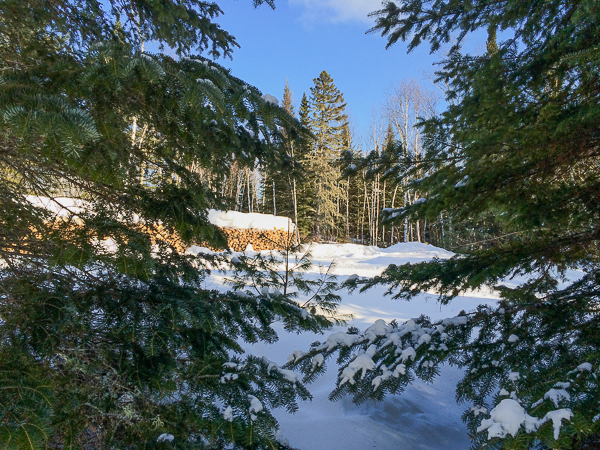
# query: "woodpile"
{"type": "Point", "coordinates": [251, 232]}
{"type": "Point", "coordinates": [238, 240]}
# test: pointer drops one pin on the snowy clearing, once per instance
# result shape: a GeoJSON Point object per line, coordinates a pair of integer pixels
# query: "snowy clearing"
{"type": "Point", "coordinates": [425, 416]}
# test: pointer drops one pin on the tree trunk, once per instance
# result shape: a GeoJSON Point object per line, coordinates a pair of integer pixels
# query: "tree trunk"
{"type": "Point", "coordinates": [406, 231]}
{"type": "Point", "coordinates": [295, 200]}
{"type": "Point", "coordinates": [348, 209]}
{"type": "Point", "coordinates": [249, 191]}
{"type": "Point", "coordinates": [274, 205]}
{"type": "Point", "coordinates": [393, 202]}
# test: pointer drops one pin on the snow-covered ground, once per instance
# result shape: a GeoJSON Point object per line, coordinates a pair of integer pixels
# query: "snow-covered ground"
{"type": "Point", "coordinates": [425, 416]}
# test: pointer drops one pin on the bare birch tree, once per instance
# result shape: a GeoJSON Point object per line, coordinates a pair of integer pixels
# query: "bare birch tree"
{"type": "Point", "coordinates": [406, 103]}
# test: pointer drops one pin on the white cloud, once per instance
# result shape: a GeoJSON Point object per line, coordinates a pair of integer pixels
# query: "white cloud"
{"type": "Point", "coordinates": [337, 10]}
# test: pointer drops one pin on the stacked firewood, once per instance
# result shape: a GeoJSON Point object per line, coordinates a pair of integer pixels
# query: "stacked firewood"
{"type": "Point", "coordinates": [238, 240]}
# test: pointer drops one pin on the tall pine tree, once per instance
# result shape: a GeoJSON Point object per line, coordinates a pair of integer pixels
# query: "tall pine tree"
{"type": "Point", "coordinates": [291, 195]}
{"type": "Point", "coordinates": [328, 122]}
{"type": "Point", "coordinates": [305, 189]}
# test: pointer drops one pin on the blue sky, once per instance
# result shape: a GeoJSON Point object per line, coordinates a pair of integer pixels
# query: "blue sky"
{"type": "Point", "coordinates": [300, 38]}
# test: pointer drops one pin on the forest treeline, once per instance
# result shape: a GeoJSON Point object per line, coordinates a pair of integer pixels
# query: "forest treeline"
{"type": "Point", "coordinates": [340, 188]}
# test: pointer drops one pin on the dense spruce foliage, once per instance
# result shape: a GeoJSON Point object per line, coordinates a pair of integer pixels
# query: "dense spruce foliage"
{"type": "Point", "coordinates": [517, 150]}
{"type": "Point", "coordinates": [328, 122]}
{"type": "Point", "coordinates": [108, 338]}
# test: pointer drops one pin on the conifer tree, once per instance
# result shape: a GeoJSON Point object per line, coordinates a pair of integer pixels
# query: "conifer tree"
{"type": "Point", "coordinates": [519, 148]}
{"type": "Point", "coordinates": [303, 111]}
{"type": "Point", "coordinates": [305, 189]}
{"type": "Point", "coordinates": [327, 121]}
{"type": "Point", "coordinates": [108, 337]}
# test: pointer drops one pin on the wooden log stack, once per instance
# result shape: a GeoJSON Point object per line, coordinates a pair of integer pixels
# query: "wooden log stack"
{"type": "Point", "coordinates": [238, 240]}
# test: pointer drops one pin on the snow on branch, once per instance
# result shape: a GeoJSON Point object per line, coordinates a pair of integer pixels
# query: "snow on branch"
{"type": "Point", "coordinates": [509, 416]}
{"type": "Point", "coordinates": [385, 357]}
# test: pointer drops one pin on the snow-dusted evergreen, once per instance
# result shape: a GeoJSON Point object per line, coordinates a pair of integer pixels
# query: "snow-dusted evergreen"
{"type": "Point", "coordinates": [110, 335]}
